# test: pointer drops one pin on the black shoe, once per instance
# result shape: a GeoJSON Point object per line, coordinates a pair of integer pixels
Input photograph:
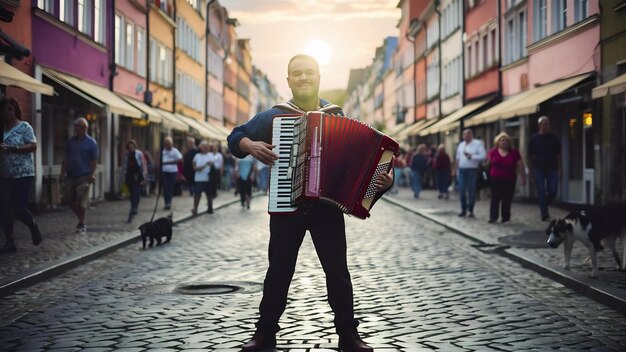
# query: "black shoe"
{"type": "Point", "coordinates": [545, 218]}
{"type": "Point", "coordinates": [9, 247]}
{"type": "Point", "coordinates": [505, 220]}
{"type": "Point", "coordinates": [35, 234]}
{"type": "Point", "coordinates": [353, 343]}
{"type": "Point", "coordinates": [462, 214]}
{"type": "Point", "coordinates": [209, 211]}
{"type": "Point", "coordinates": [259, 343]}
{"type": "Point", "coordinates": [167, 207]}
{"type": "Point", "coordinates": [470, 214]}
{"type": "Point", "coordinates": [491, 221]}
{"type": "Point", "coordinates": [133, 211]}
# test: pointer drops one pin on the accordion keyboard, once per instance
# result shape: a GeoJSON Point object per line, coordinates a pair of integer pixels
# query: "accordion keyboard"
{"type": "Point", "coordinates": [280, 172]}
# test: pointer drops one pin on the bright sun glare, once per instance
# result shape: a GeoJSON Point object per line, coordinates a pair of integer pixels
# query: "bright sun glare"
{"type": "Point", "coordinates": [320, 50]}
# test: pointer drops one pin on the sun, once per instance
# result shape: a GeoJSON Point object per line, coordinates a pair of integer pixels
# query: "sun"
{"type": "Point", "coordinates": [320, 50]}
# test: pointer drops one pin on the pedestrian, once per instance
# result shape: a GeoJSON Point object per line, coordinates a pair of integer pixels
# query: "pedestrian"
{"type": "Point", "coordinates": [169, 170]}
{"type": "Point", "coordinates": [406, 173]}
{"type": "Point", "coordinates": [216, 170]}
{"type": "Point", "coordinates": [189, 152]}
{"type": "Point", "coordinates": [17, 172]}
{"type": "Point", "coordinates": [544, 161]}
{"type": "Point", "coordinates": [78, 171]}
{"type": "Point", "coordinates": [263, 177]}
{"type": "Point", "coordinates": [134, 174]}
{"type": "Point", "coordinates": [419, 165]}
{"type": "Point", "coordinates": [399, 163]}
{"type": "Point", "coordinates": [229, 167]}
{"type": "Point", "coordinates": [469, 155]}
{"type": "Point", "coordinates": [246, 172]}
{"type": "Point", "coordinates": [325, 222]}
{"type": "Point", "coordinates": [443, 170]}
{"type": "Point", "coordinates": [151, 167]}
{"type": "Point", "coordinates": [202, 164]}
{"type": "Point", "coordinates": [504, 162]}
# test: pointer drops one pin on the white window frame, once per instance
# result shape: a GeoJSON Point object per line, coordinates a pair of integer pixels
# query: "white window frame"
{"type": "Point", "coordinates": [85, 17]}
{"type": "Point", "coordinates": [46, 5]}
{"type": "Point", "coordinates": [559, 15]}
{"type": "Point", "coordinates": [581, 9]}
{"type": "Point", "coordinates": [120, 39]}
{"type": "Point", "coordinates": [129, 44]}
{"type": "Point", "coordinates": [141, 51]}
{"type": "Point", "coordinates": [540, 19]}
{"type": "Point", "coordinates": [100, 21]}
{"type": "Point", "coordinates": [66, 11]}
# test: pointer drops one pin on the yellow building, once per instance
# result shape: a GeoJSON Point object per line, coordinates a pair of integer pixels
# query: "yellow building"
{"type": "Point", "coordinates": [161, 51]}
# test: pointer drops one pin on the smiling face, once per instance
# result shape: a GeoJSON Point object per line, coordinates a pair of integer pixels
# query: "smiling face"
{"type": "Point", "coordinates": [303, 78]}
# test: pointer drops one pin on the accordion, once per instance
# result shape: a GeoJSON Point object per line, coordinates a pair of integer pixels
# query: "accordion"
{"type": "Point", "coordinates": [330, 158]}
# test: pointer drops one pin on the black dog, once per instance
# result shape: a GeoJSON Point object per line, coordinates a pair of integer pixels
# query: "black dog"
{"type": "Point", "coordinates": [591, 227]}
{"type": "Point", "coordinates": [161, 227]}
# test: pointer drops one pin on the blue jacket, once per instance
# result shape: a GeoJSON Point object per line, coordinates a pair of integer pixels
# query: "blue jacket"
{"type": "Point", "coordinates": [259, 128]}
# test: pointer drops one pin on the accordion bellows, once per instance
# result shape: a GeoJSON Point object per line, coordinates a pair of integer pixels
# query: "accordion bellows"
{"type": "Point", "coordinates": [329, 158]}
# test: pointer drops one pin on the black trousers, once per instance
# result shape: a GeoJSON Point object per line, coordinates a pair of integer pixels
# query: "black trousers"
{"type": "Point", "coordinates": [327, 228]}
{"type": "Point", "coordinates": [502, 191]}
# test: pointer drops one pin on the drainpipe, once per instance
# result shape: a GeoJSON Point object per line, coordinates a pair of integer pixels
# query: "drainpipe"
{"type": "Point", "coordinates": [174, 59]}
{"type": "Point", "coordinates": [499, 31]}
{"type": "Point", "coordinates": [147, 91]}
{"type": "Point", "coordinates": [412, 41]}
{"type": "Point", "coordinates": [439, 50]}
{"type": "Point", "coordinates": [207, 32]}
{"type": "Point", "coordinates": [113, 146]}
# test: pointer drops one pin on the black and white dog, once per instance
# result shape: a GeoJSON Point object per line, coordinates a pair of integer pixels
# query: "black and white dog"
{"type": "Point", "coordinates": [591, 227]}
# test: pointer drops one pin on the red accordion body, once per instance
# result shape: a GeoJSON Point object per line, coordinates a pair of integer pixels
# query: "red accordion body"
{"type": "Point", "coordinates": [330, 158]}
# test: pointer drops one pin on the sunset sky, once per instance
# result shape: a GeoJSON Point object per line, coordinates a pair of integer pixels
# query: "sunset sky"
{"type": "Point", "coordinates": [344, 32]}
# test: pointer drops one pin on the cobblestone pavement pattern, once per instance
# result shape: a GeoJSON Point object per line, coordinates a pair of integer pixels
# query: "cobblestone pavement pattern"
{"type": "Point", "coordinates": [417, 287]}
{"type": "Point", "coordinates": [106, 222]}
{"type": "Point", "coordinates": [525, 223]}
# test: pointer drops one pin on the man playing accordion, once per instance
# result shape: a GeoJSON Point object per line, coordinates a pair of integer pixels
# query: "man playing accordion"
{"type": "Point", "coordinates": [324, 221]}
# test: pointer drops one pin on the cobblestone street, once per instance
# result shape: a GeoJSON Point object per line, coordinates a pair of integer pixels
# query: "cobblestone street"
{"type": "Point", "coordinates": [417, 286]}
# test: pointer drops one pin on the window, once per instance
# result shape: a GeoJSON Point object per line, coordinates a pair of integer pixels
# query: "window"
{"type": "Point", "coordinates": [477, 56]}
{"type": "Point", "coordinates": [432, 33]}
{"type": "Point", "coordinates": [521, 25]}
{"type": "Point", "coordinates": [46, 5]}
{"type": "Point", "coordinates": [130, 46]}
{"type": "Point", "coordinates": [99, 22]}
{"type": "Point", "coordinates": [516, 37]}
{"type": "Point", "coordinates": [153, 60]}
{"type": "Point", "coordinates": [141, 51]}
{"type": "Point", "coordinates": [540, 19]}
{"type": "Point", "coordinates": [66, 11]}
{"type": "Point", "coordinates": [581, 9]}
{"type": "Point", "coordinates": [486, 60]}
{"type": "Point", "coordinates": [510, 49]}
{"type": "Point", "coordinates": [187, 40]}
{"type": "Point", "coordinates": [119, 35]}
{"type": "Point", "coordinates": [85, 16]}
{"type": "Point", "coordinates": [559, 15]}
{"type": "Point", "coordinates": [494, 47]}
{"type": "Point", "coordinates": [470, 68]}
{"type": "Point", "coordinates": [432, 80]}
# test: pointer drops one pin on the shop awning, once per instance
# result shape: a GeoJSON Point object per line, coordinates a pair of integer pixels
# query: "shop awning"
{"type": "Point", "coordinates": [449, 122]}
{"type": "Point", "coordinates": [200, 126]}
{"type": "Point", "coordinates": [393, 130]}
{"type": "Point", "coordinates": [116, 104]}
{"type": "Point", "coordinates": [222, 129]}
{"type": "Point", "coordinates": [413, 130]}
{"type": "Point", "coordinates": [11, 76]}
{"type": "Point", "coordinates": [172, 121]}
{"type": "Point", "coordinates": [614, 86]}
{"type": "Point", "coordinates": [524, 103]}
{"type": "Point", "coordinates": [153, 115]}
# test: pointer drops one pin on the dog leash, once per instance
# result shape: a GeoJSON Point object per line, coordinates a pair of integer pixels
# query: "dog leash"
{"type": "Point", "coordinates": [156, 204]}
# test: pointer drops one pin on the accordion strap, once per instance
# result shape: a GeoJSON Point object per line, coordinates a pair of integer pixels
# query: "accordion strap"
{"type": "Point", "coordinates": [288, 105]}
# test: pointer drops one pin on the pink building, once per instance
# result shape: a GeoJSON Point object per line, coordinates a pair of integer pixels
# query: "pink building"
{"type": "Point", "coordinates": [549, 52]}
